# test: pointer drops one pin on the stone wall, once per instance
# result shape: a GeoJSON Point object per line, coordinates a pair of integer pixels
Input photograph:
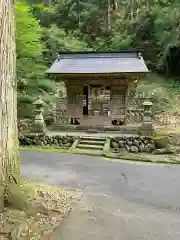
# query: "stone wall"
{"type": "Point", "coordinates": [44, 140]}
{"type": "Point", "coordinates": [60, 111]}
{"type": "Point", "coordinates": [133, 144]}
{"type": "Point", "coordinates": [24, 125]}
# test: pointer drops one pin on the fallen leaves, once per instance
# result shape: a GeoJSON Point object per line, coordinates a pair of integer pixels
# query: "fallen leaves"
{"type": "Point", "coordinates": [47, 207]}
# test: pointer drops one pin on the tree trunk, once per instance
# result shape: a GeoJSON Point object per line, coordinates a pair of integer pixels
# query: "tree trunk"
{"type": "Point", "coordinates": [78, 12]}
{"type": "Point", "coordinates": [9, 157]}
{"type": "Point", "coordinates": [108, 24]}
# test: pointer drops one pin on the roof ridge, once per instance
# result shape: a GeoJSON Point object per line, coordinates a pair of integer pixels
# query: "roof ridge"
{"type": "Point", "coordinates": [71, 55]}
{"type": "Point", "coordinates": [96, 52]}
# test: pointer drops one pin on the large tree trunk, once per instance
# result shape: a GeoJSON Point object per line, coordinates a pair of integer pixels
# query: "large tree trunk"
{"type": "Point", "coordinates": [9, 157]}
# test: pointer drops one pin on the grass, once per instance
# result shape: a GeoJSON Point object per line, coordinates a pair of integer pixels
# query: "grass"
{"type": "Point", "coordinates": [139, 157]}
{"type": "Point", "coordinates": [166, 96]}
{"type": "Point", "coordinates": [145, 157]}
{"type": "Point", "coordinates": [46, 149]}
{"type": "Point", "coordinates": [167, 130]}
{"type": "Point", "coordinates": [47, 207]}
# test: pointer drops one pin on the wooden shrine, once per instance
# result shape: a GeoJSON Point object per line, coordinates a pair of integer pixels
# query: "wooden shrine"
{"type": "Point", "coordinates": [97, 85]}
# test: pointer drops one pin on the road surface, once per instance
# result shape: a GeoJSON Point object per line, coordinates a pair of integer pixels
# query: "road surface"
{"type": "Point", "coordinates": [121, 200]}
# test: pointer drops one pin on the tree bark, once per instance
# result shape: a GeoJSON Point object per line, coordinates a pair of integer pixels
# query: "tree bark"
{"type": "Point", "coordinates": [9, 156]}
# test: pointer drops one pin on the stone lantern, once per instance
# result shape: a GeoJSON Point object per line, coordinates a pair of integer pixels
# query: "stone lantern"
{"type": "Point", "coordinates": [147, 128]}
{"type": "Point", "coordinates": [147, 105]}
{"type": "Point", "coordinates": [39, 125]}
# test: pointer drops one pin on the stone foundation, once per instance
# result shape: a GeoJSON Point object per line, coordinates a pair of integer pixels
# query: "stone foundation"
{"type": "Point", "coordinates": [133, 144]}
{"type": "Point", "coordinates": [44, 140]}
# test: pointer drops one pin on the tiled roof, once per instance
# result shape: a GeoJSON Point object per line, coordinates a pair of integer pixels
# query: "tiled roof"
{"type": "Point", "coordinates": [96, 62]}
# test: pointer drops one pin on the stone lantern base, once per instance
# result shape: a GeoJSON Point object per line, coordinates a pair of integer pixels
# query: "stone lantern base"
{"type": "Point", "coordinates": [147, 129]}
{"type": "Point", "coordinates": [39, 127]}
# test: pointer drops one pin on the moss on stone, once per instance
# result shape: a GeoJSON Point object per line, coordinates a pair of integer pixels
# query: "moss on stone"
{"type": "Point", "coordinates": [160, 141]}
{"type": "Point", "coordinates": [45, 140]}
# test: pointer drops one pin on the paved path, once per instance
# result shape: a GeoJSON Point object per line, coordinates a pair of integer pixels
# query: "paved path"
{"type": "Point", "coordinates": [121, 200]}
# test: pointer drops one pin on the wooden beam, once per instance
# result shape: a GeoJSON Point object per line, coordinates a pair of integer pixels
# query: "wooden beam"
{"type": "Point", "coordinates": [72, 76]}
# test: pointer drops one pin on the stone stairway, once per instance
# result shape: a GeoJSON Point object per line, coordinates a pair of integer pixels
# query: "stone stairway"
{"type": "Point", "coordinates": [91, 145]}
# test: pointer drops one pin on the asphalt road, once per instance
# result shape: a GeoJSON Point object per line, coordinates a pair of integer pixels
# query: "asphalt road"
{"type": "Point", "coordinates": [125, 200]}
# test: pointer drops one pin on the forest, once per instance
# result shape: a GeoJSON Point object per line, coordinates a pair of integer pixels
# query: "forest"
{"type": "Point", "coordinates": [44, 28]}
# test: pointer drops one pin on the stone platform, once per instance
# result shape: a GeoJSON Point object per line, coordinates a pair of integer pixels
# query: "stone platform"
{"type": "Point", "coordinates": [88, 134]}
{"type": "Point", "coordinates": [74, 129]}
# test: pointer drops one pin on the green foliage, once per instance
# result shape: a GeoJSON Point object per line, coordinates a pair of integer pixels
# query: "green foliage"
{"type": "Point", "coordinates": [151, 25]}
{"type": "Point", "coordinates": [44, 29]}
{"type": "Point", "coordinates": [28, 33]}
{"type": "Point", "coordinates": [57, 40]}
{"type": "Point", "coordinates": [30, 63]}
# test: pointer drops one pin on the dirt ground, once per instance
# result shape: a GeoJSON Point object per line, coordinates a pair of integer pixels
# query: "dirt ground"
{"type": "Point", "coordinates": [47, 206]}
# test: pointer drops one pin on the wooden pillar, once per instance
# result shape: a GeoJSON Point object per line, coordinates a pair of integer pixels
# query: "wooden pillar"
{"type": "Point", "coordinates": [126, 93]}
{"type": "Point", "coordinates": [131, 83]}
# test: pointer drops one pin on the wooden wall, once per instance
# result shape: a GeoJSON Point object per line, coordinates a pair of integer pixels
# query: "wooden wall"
{"type": "Point", "coordinates": [118, 91]}
{"type": "Point", "coordinates": [74, 101]}
{"type": "Point", "coordinates": [118, 101]}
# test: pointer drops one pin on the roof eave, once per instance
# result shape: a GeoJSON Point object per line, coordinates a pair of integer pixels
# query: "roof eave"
{"type": "Point", "coordinates": [99, 73]}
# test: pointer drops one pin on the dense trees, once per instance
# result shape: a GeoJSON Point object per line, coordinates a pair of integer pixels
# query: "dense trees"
{"type": "Point", "coordinates": [46, 27]}
{"type": "Point", "coordinates": [151, 25]}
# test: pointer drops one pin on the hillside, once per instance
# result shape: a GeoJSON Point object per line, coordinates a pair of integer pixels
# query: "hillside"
{"type": "Point", "coordinates": [165, 97]}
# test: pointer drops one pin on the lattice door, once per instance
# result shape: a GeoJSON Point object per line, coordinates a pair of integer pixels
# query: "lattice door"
{"type": "Point", "coordinates": [118, 100]}
{"type": "Point", "coordinates": [99, 101]}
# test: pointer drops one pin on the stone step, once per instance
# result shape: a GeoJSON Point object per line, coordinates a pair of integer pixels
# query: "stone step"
{"type": "Point", "coordinates": [93, 138]}
{"type": "Point", "coordinates": [87, 146]}
{"type": "Point", "coordinates": [92, 142]}
{"type": "Point", "coordinates": [91, 152]}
